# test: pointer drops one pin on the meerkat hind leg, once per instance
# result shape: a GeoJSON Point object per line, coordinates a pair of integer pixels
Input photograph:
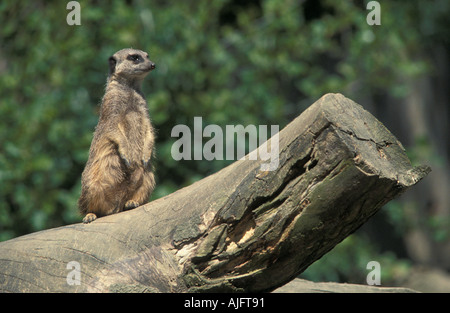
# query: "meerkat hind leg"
{"type": "Point", "coordinates": [131, 204]}
{"type": "Point", "coordinates": [90, 217]}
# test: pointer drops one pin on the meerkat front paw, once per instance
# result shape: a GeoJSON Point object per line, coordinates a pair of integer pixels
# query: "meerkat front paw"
{"type": "Point", "coordinates": [90, 217]}
{"type": "Point", "coordinates": [124, 156]}
{"type": "Point", "coordinates": [131, 204]}
{"type": "Point", "coordinates": [125, 160]}
{"type": "Point", "coordinates": [146, 158]}
{"type": "Point", "coordinates": [146, 163]}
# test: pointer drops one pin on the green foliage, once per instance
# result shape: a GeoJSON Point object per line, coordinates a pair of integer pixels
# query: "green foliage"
{"type": "Point", "coordinates": [348, 262]}
{"type": "Point", "coordinates": [232, 62]}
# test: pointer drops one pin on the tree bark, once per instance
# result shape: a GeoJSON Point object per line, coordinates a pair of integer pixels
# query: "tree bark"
{"type": "Point", "coordinates": [240, 229]}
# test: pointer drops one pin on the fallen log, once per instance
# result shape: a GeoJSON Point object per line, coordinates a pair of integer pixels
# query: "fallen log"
{"type": "Point", "coordinates": [304, 286]}
{"type": "Point", "coordinates": [240, 229]}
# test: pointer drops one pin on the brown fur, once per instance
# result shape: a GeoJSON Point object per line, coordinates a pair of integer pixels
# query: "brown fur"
{"type": "Point", "coordinates": [118, 174]}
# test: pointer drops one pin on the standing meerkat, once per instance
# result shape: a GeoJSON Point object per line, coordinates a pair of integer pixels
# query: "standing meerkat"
{"type": "Point", "coordinates": [118, 175]}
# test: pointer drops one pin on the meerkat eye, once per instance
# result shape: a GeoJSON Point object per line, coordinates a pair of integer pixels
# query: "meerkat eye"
{"type": "Point", "coordinates": [134, 57]}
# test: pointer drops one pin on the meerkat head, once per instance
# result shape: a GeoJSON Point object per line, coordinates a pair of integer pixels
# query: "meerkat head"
{"type": "Point", "coordinates": [130, 66]}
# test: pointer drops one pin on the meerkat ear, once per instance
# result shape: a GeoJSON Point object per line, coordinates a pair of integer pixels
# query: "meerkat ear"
{"type": "Point", "coordinates": [112, 64]}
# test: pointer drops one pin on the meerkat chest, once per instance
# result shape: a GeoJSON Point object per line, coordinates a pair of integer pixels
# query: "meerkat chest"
{"type": "Point", "coordinates": [125, 113]}
{"type": "Point", "coordinates": [135, 123]}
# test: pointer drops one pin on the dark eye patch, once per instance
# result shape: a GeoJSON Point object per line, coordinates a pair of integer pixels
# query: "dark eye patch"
{"type": "Point", "coordinates": [134, 58]}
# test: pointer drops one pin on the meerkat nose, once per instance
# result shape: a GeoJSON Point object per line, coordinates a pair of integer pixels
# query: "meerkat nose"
{"type": "Point", "coordinates": [153, 66]}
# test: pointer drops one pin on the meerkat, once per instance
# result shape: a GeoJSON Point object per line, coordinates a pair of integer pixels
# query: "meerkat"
{"type": "Point", "coordinates": [118, 175]}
